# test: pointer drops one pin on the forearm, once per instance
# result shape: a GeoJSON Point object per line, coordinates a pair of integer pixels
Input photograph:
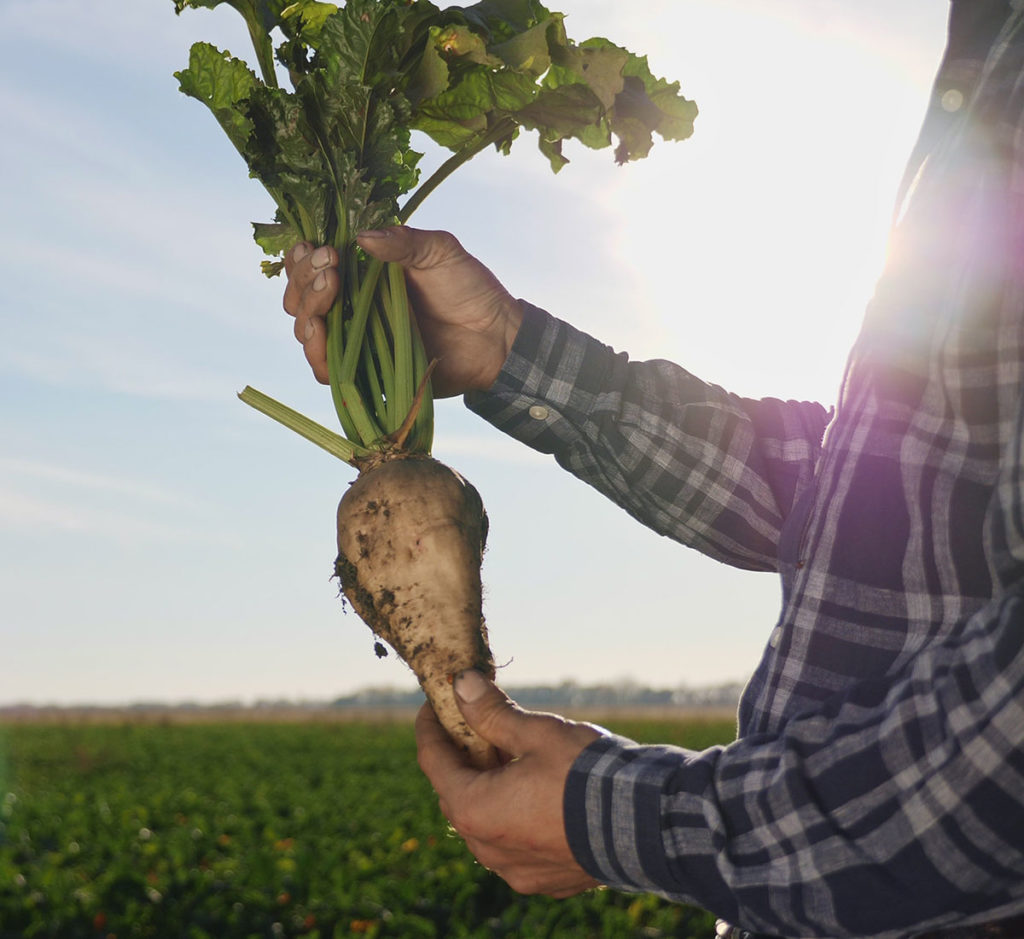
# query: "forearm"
{"type": "Point", "coordinates": [689, 460]}
{"type": "Point", "coordinates": [894, 809]}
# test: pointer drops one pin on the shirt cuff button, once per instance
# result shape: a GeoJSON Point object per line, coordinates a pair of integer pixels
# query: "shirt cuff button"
{"type": "Point", "coordinates": [539, 413]}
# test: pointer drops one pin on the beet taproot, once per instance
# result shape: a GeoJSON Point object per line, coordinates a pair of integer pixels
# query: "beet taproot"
{"type": "Point", "coordinates": [411, 538]}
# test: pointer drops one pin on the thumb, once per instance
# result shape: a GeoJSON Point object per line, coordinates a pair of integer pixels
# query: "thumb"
{"type": "Point", "coordinates": [411, 247]}
{"type": "Point", "coordinates": [491, 713]}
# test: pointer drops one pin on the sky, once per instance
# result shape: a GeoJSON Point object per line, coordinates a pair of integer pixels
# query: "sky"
{"type": "Point", "coordinates": [159, 541]}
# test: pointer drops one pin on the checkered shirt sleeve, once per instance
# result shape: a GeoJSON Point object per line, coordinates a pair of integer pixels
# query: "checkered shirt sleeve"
{"type": "Point", "coordinates": [707, 468]}
{"type": "Point", "coordinates": [896, 807]}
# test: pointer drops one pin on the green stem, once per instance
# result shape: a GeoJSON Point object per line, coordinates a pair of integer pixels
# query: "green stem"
{"type": "Point", "coordinates": [368, 431]}
{"type": "Point", "coordinates": [402, 365]}
{"type": "Point", "coordinates": [261, 41]}
{"type": "Point", "coordinates": [309, 228]}
{"type": "Point", "coordinates": [264, 55]}
{"type": "Point", "coordinates": [381, 345]}
{"type": "Point", "coordinates": [361, 303]}
{"type": "Point", "coordinates": [374, 388]}
{"type": "Point", "coordinates": [396, 302]}
{"type": "Point", "coordinates": [422, 438]}
{"type": "Point", "coordinates": [335, 336]}
{"type": "Point", "coordinates": [500, 130]}
{"type": "Point", "coordinates": [335, 350]}
{"type": "Point", "coordinates": [328, 440]}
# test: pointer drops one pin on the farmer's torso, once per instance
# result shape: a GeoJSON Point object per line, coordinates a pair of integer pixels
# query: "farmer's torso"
{"type": "Point", "coordinates": [915, 518]}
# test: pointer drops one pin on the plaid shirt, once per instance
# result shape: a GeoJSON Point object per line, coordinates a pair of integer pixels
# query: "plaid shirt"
{"type": "Point", "coordinates": [877, 784]}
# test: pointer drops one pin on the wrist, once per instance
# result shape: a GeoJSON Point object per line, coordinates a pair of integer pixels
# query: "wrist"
{"type": "Point", "coordinates": [512, 324]}
{"type": "Point", "coordinates": [510, 321]}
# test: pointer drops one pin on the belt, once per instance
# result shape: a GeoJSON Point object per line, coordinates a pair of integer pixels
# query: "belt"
{"type": "Point", "coordinates": [1012, 928]}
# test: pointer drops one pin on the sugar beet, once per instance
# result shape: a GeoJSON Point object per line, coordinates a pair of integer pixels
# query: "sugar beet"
{"type": "Point", "coordinates": [411, 536]}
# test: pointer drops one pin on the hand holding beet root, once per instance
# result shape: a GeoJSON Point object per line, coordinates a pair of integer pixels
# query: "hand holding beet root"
{"type": "Point", "coordinates": [468, 319]}
{"type": "Point", "coordinates": [511, 816]}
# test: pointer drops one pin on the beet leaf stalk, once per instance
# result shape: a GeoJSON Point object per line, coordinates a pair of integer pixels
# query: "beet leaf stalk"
{"type": "Point", "coordinates": [325, 124]}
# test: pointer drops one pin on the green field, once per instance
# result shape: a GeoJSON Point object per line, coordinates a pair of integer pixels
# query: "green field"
{"type": "Point", "coordinates": [216, 831]}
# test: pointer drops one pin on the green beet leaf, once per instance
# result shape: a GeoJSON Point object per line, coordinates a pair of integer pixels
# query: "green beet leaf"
{"type": "Point", "coordinates": [334, 151]}
{"type": "Point", "coordinates": [224, 85]}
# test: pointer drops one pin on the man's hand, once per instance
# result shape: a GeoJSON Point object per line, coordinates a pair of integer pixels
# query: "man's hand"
{"type": "Point", "coordinates": [467, 318]}
{"type": "Point", "coordinates": [510, 817]}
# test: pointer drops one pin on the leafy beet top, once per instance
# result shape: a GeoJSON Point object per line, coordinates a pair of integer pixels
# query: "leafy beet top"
{"type": "Point", "coordinates": [334, 151]}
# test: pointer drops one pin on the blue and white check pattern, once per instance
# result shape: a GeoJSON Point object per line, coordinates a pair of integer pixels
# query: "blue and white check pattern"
{"type": "Point", "coordinates": [877, 784]}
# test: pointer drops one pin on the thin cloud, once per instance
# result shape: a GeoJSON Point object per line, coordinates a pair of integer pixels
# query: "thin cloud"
{"type": "Point", "coordinates": [11, 467]}
{"type": "Point", "coordinates": [28, 514]}
{"type": "Point", "coordinates": [41, 498]}
{"type": "Point", "coordinates": [75, 360]}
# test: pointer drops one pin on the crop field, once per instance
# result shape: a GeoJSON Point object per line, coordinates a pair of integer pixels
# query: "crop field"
{"type": "Point", "coordinates": [216, 831]}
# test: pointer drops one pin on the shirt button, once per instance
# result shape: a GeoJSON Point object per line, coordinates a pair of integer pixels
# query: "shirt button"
{"type": "Point", "coordinates": [952, 100]}
{"type": "Point", "coordinates": [776, 637]}
{"type": "Point", "coordinates": [539, 413]}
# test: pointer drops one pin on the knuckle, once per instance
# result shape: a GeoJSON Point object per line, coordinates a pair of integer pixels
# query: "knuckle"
{"type": "Point", "coordinates": [492, 714]}
{"type": "Point", "coordinates": [436, 249]}
{"type": "Point", "coordinates": [295, 254]}
{"type": "Point", "coordinates": [446, 242]}
{"type": "Point", "coordinates": [290, 300]}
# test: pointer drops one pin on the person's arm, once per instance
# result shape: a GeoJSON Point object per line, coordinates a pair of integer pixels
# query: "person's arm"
{"type": "Point", "coordinates": [691, 461]}
{"type": "Point", "coordinates": [894, 808]}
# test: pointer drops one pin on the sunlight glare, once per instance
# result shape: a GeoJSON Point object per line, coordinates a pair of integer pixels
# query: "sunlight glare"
{"type": "Point", "coordinates": [758, 242]}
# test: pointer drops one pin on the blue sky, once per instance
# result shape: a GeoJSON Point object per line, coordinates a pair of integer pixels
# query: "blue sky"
{"type": "Point", "coordinates": [160, 541]}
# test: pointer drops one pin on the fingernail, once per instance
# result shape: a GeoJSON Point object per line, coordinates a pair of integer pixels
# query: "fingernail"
{"type": "Point", "coordinates": [320, 281]}
{"type": "Point", "coordinates": [310, 330]}
{"type": "Point", "coordinates": [470, 685]}
{"type": "Point", "coordinates": [300, 251]}
{"type": "Point", "coordinates": [375, 233]}
{"type": "Point", "coordinates": [321, 257]}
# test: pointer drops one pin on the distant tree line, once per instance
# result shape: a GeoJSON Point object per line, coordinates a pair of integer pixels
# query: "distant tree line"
{"type": "Point", "coordinates": [621, 695]}
{"type": "Point", "coordinates": [568, 695]}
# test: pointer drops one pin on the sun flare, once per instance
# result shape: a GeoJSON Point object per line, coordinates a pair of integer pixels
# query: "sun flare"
{"type": "Point", "coordinates": [754, 247]}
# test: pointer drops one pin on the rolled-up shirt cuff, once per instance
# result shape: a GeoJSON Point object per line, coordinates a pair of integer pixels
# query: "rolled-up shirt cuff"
{"type": "Point", "coordinates": [553, 376]}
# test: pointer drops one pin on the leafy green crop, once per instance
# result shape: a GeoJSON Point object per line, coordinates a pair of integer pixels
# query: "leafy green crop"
{"type": "Point", "coordinates": [334, 152]}
{"type": "Point", "coordinates": [268, 831]}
